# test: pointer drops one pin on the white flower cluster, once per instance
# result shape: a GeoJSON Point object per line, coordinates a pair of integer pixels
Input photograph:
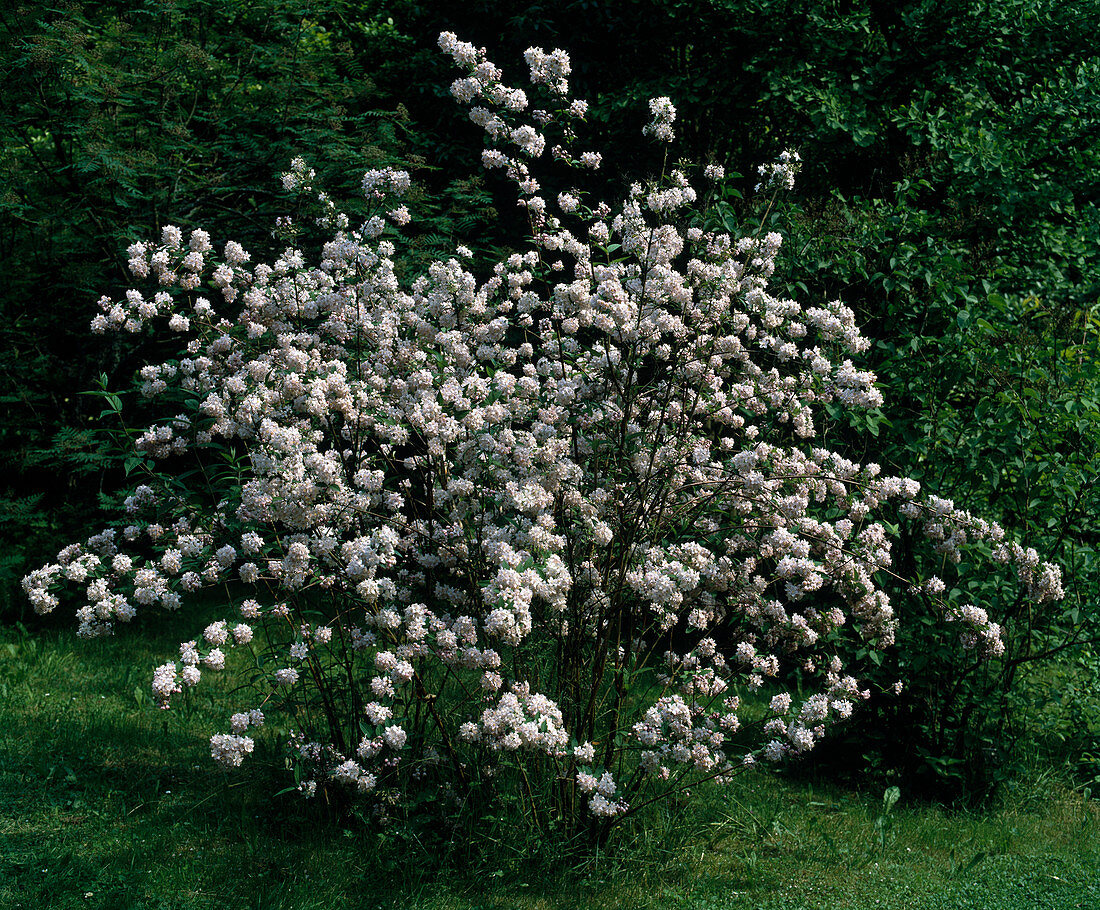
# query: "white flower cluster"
{"type": "Point", "coordinates": [551, 70]}
{"type": "Point", "coordinates": [300, 177]}
{"type": "Point", "coordinates": [523, 720]}
{"type": "Point", "coordinates": [229, 750]}
{"type": "Point", "coordinates": [664, 114]}
{"type": "Point", "coordinates": [604, 800]}
{"type": "Point", "coordinates": [780, 174]}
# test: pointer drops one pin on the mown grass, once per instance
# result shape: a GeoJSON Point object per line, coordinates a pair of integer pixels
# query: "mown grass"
{"type": "Point", "coordinates": [106, 802]}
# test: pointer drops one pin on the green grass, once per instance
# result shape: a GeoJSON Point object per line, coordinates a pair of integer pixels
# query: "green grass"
{"type": "Point", "coordinates": [107, 802]}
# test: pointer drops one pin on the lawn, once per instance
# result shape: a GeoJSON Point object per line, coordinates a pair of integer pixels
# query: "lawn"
{"type": "Point", "coordinates": [107, 802]}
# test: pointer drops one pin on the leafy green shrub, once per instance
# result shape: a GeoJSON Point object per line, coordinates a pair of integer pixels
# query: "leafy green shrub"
{"type": "Point", "coordinates": [991, 402]}
{"type": "Point", "coordinates": [948, 199]}
{"type": "Point", "coordinates": [123, 113]}
{"type": "Point", "coordinates": [522, 535]}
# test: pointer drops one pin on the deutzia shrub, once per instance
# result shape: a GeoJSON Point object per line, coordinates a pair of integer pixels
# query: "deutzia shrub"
{"type": "Point", "coordinates": [567, 515]}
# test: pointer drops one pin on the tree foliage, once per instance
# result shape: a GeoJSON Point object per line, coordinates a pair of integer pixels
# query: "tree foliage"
{"type": "Point", "coordinates": [948, 197]}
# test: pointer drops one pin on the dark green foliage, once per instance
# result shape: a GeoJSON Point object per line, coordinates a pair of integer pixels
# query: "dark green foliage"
{"type": "Point", "coordinates": [121, 117]}
{"type": "Point", "coordinates": [975, 267]}
{"type": "Point", "coordinates": [949, 196]}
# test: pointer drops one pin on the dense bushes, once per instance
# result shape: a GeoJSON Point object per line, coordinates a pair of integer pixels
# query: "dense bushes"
{"type": "Point", "coordinates": [119, 116]}
{"type": "Point", "coordinates": [947, 198]}
{"type": "Point", "coordinates": [561, 525]}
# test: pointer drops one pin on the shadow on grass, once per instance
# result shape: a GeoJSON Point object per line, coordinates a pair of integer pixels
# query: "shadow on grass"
{"type": "Point", "coordinates": [98, 802]}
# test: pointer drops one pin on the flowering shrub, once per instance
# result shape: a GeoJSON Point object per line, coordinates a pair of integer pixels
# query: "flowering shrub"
{"type": "Point", "coordinates": [561, 513]}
